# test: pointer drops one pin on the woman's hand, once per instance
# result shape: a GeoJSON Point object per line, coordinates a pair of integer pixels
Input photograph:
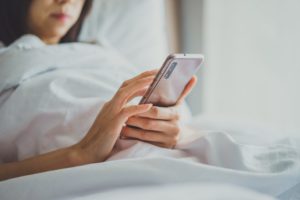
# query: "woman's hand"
{"type": "Point", "coordinates": [101, 138]}
{"type": "Point", "coordinates": [159, 125]}
{"type": "Point", "coordinates": [97, 145]}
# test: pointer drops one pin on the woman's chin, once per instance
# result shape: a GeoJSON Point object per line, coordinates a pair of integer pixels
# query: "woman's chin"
{"type": "Point", "coordinates": [59, 31]}
{"type": "Point", "coordinates": [54, 36]}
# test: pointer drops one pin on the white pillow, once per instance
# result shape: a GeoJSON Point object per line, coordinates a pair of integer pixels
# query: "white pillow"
{"type": "Point", "coordinates": [136, 28]}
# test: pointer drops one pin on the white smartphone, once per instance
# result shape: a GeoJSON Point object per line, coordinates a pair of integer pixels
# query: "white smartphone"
{"type": "Point", "coordinates": [171, 79]}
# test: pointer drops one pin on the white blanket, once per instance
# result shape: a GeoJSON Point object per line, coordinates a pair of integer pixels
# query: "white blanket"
{"type": "Point", "coordinates": [50, 95]}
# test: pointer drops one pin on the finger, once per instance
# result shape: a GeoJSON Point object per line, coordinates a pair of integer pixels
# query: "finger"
{"type": "Point", "coordinates": [162, 113]}
{"type": "Point", "coordinates": [141, 92]}
{"type": "Point", "coordinates": [133, 110]}
{"type": "Point", "coordinates": [142, 75]}
{"type": "Point", "coordinates": [188, 88]}
{"type": "Point", "coordinates": [131, 90]}
{"type": "Point", "coordinates": [149, 136]}
{"type": "Point", "coordinates": [167, 127]}
{"type": "Point", "coordinates": [164, 145]}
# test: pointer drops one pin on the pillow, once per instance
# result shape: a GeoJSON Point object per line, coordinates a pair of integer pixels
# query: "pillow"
{"type": "Point", "coordinates": [136, 28]}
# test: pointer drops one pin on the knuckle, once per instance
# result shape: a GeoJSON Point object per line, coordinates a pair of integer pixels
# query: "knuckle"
{"type": "Point", "coordinates": [125, 83]}
{"type": "Point", "coordinates": [129, 111]}
{"type": "Point", "coordinates": [155, 111]}
{"type": "Point", "coordinates": [106, 104]}
{"type": "Point", "coordinates": [120, 93]}
{"type": "Point", "coordinates": [176, 130]}
{"type": "Point", "coordinates": [147, 124]}
{"type": "Point", "coordinates": [133, 121]}
{"type": "Point", "coordinates": [149, 72]}
{"type": "Point", "coordinates": [177, 116]}
{"type": "Point", "coordinates": [141, 81]}
{"type": "Point", "coordinates": [176, 139]}
{"type": "Point", "coordinates": [124, 112]}
{"type": "Point", "coordinates": [145, 73]}
{"type": "Point", "coordinates": [175, 113]}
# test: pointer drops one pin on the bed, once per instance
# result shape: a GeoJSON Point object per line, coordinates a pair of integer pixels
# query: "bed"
{"type": "Point", "coordinates": [49, 102]}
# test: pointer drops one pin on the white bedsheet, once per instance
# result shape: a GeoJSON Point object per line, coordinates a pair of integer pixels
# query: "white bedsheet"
{"type": "Point", "coordinates": [190, 173]}
{"type": "Point", "coordinates": [50, 95]}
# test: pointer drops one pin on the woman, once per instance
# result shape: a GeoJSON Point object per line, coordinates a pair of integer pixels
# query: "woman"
{"type": "Point", "coordinates": [59, 21]}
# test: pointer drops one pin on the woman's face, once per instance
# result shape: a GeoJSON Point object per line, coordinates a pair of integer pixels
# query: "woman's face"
{"type": "Point", "coordinates": [52, 19]}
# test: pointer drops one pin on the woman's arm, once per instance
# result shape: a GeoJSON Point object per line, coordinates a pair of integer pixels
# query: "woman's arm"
{"type": "Point", "coordinates": [98, 143]}
{"type": "Point", "coordinates": [58, 159]}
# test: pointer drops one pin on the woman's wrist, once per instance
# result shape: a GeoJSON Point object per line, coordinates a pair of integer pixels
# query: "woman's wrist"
{"type": "Point", "coordinates": [77, 157]}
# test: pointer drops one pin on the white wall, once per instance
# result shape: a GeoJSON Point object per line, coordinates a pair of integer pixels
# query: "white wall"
{"type": "Point", "coordinates": [252, 68]}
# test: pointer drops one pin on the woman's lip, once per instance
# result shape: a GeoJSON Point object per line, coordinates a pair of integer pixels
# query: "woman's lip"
{"type": "Point", "coordinates": [60, 16]}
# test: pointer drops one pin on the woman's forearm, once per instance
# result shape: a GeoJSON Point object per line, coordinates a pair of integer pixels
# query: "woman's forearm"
{"type": "Point", "coordinates": [62, 158]}
{"type": "Point", "coordinates": [99, 142]}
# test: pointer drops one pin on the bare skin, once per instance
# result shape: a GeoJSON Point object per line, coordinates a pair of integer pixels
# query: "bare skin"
{"type": "Point", "coordinates": [99, 142]}
{"type": "Point", "coordinates": [100, 139]}
{"type": "Point", "coordinates": [159, 126]}
{"type": "Point", "coordinates": [50, 20]}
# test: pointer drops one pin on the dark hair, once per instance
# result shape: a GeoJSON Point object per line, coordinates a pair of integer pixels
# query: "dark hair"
{"type": "Point", "coordinates": [13, 15]}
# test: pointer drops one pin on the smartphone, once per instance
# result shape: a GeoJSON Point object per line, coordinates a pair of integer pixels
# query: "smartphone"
{"type": "Point", "coordinates": [171, 79]}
